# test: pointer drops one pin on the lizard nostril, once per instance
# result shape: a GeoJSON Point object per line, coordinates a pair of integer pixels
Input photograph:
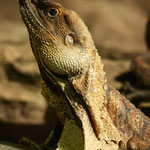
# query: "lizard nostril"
{"type": "Point", "coordinates": [69, 40]}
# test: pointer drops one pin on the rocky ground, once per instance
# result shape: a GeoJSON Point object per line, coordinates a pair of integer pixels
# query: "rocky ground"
{"type": "Point", "coordinates": [118, 29]}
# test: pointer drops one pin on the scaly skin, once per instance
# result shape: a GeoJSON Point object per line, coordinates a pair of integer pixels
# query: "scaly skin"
{"type": "Point", "coordinates": [95, 114]}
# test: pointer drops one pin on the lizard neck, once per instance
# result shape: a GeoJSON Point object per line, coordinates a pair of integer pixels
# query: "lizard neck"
{"type": "Point", "coordinates": [95, 92]}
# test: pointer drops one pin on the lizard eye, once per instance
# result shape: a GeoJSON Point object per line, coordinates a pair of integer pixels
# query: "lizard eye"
{"type": "Point", "coordinates": [53, 13]}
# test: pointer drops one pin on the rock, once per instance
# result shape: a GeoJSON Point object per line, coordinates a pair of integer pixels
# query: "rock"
{"type": "Point", "coordinates": [139, 74]}
{"type": "Point", "coordinates": [20, 82]}
{"type": "Point", "coordinates": [136, 82]}
{"type": "Point", "coordinates": [147, 36]}
{"type": "Point", "coordinates": [141, 69]}
{"type": "Point", "coordinates": [23, 110]}
{"type": "Point", "coordinates": [113, 69]}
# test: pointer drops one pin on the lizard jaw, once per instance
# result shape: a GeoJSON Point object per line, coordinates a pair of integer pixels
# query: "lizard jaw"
{"type": "Point", "coordinates": [29, 16]}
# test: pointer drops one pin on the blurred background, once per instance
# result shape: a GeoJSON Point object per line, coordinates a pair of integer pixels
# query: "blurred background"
{"type": "Point", "coordinates": [121, 33]}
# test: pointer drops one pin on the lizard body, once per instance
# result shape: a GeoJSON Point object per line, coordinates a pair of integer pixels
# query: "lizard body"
{"type": "Point", "coordinates": [96, 115]}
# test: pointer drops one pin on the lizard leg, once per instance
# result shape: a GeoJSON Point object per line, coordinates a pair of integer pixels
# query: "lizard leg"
{"type": "Point", "coordinates": [30, 143]}
{"type": "Point", "coordinates": [53, 137]}
{"type": "Point", "coordinates": [50, 143]}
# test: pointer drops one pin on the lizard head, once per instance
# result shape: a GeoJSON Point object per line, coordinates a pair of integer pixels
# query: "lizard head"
{"type": "Point", "coordinates": [59, 38]}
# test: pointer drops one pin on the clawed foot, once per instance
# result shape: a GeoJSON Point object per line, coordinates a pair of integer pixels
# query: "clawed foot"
{"type": "Point", "coordinates": [30, 143]}
{"type": "Point", "coordinates": [47, 145]}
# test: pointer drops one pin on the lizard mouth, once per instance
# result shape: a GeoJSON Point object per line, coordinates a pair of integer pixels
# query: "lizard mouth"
{"type": "Point", "coordinates": [30, 15]}
{"type": "Point", "coordinates": [32, 20]}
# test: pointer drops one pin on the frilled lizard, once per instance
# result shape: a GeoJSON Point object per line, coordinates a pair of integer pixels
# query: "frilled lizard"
{"type": "Point", "coordinates": [94, 115]}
